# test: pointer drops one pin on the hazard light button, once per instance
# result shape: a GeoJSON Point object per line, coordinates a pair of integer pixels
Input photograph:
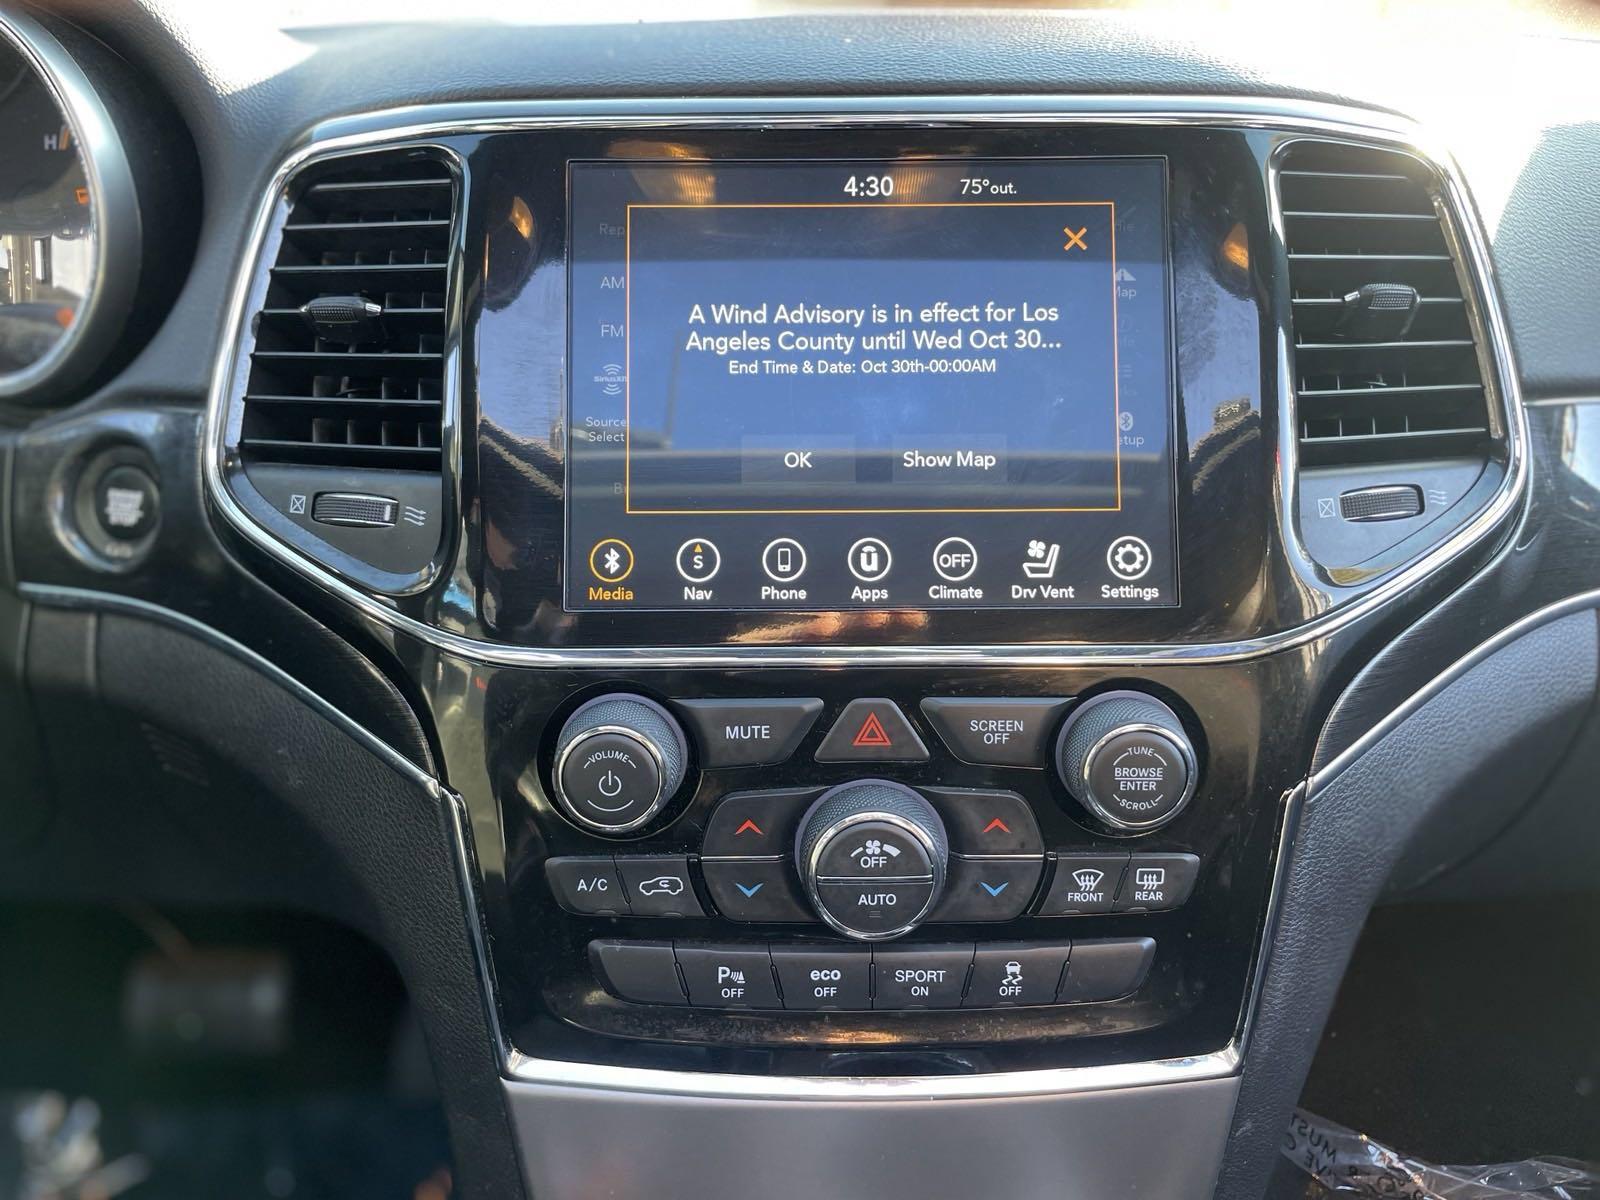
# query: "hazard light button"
{"type": "Point", "coordinates": [872, 731]}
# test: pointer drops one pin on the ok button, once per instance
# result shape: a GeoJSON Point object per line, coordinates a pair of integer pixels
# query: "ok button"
{"type": "Point", "coordinates": [610, 777]}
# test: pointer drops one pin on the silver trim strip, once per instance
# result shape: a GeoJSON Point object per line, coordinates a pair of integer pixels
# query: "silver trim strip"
{"type": "Point", "coordinates": [1059, 1081]}
{"type": "Point", "coordinates": [417, 125]}
{"type": "Point", "coordinates": [114, 220]}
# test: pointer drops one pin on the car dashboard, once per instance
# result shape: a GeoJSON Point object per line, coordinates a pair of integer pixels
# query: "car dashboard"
{"type": "Point", "coordinates": [860, 601]}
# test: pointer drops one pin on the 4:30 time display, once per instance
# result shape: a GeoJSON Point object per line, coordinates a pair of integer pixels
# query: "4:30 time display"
{"type": "Point", "coordinates": [869, 187]}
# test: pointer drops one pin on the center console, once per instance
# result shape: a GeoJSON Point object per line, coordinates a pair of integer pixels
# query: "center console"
{"type": "Point", "coordinates": [877, 576]}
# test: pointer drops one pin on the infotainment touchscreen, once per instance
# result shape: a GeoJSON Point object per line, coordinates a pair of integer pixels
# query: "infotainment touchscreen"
{"type": "Point", "coordinates": [828, 385]}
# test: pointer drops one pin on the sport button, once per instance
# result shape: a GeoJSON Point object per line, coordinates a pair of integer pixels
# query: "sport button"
{"type": "Point", "coordinates": [872, 731]}
{"type": "Point", "coordinates": [920, 976]}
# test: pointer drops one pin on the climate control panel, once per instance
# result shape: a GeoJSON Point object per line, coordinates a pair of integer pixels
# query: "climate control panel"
{"type": "Point", "coordinates": [885, 842]}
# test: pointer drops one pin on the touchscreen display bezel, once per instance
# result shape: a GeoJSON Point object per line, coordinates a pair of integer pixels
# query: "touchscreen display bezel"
{"type": "Point", "coordinates": [1232, 414]}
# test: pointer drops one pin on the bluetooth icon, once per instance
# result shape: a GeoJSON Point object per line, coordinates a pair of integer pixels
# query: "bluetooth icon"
{"type": "Point", "coordinates": [611, 560]}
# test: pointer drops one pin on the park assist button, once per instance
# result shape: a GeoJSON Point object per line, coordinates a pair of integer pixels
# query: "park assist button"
{"type": "Point", "coordinates": [749, 733]}
{"type": "Point", "coordinates": [727, 976]}
{"type": "Point", "coordinates": [872, 731]}
{"type": "Point", "coordinates": [995, 731]}
{"type": "Point", "coordinates": [823, 977]}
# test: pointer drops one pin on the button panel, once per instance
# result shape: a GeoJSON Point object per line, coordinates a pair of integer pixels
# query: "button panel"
{"type": "Point", "coordinates": [813, 977]}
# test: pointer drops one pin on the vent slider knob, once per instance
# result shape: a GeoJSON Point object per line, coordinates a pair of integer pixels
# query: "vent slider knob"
{"type": "Point", "coordinates": [347, 320]}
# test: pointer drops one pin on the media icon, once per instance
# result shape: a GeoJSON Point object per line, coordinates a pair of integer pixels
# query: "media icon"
{"type": "Point", "coordinates": [1129, 558]}
{"type": "Point", "coordinates": [1041, 561]}
{"type": "Point", "coordinates": [699, 560]}
{"type": "Point", "coordinates": [955, 559]}
{"type": "Point", "coordinates": [870, 559]}
{"type": "Point", "coordinates": [784, 560]}
{"type": "Point", "coordinates": [611, 560]}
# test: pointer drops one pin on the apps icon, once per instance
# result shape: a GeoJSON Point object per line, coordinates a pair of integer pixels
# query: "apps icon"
{"type": "Point", "coordinates": [870, 559]}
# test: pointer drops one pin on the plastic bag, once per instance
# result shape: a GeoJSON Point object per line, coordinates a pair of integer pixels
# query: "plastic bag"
{"type": "Point", "coordinates": [1351, 1163]}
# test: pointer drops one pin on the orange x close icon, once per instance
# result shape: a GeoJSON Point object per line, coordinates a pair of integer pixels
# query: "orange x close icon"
{"type": "Point", "coordinates": [1075, 238]}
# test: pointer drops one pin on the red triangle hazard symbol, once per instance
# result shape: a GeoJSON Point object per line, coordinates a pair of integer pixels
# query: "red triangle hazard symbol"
{"type": "Point", "coordinates": [872, 733]}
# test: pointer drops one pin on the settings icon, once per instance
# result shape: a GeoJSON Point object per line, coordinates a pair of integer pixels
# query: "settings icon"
{"type": "Point", "coordinates": [1129, 558]}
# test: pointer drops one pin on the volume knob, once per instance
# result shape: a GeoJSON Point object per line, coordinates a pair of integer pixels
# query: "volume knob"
{"type": "Point", "coordinates": [619, 759]}
{"type": "Point", "coordinates": [1126, 758]}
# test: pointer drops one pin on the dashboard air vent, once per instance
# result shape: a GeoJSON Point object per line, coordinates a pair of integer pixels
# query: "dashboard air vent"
{"type": "Point", "coordinates": [348, 364]}
{"type": "Point", "coordinates": [1385, 363]}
